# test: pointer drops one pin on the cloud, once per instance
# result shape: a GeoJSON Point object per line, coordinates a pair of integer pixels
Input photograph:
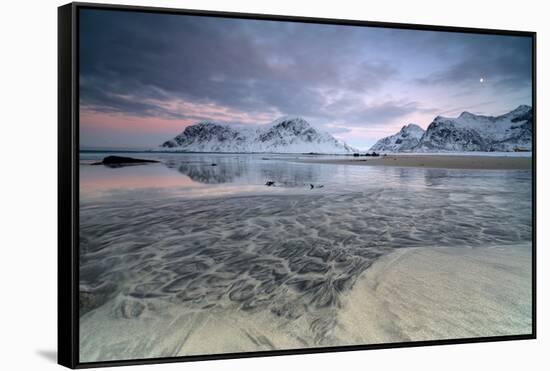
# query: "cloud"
{"type": "Point", "coordinates": [345, 79]}
{"type": "Point", "coordinates": [251, 65]}
{"type": "Point", "coordinates": [354, 111]}
{"type": "Point", "coordinates": [502, 60]}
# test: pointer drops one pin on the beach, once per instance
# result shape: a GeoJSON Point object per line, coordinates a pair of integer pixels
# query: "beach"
{"type": "Point", "coordinates": [435, 161]}
{"type": "Point", "coordinates": [408, 295]}
{"type": "Point", "coordinates": [440, 293]}
{"type": "Point", "coordinates": [212, 260]}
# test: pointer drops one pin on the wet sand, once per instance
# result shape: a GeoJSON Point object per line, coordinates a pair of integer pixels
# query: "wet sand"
{"type": "Point", "coordinates": [169, 330]}
{"type": "Point", "coordinates": [436, 161]}
{"type": "Point", "coordinates": [408, 295]}
{"type": "Point", "coordinates": [163, 273]}
{"type": "Point", "coordinates": [446, 293]}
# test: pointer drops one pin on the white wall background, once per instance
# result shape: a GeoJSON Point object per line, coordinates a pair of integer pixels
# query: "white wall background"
{"type": "Point", "coordinates": [28, 181]}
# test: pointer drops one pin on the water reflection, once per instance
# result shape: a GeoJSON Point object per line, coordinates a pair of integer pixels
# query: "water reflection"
{"type": "Point", "coordinates": [248, 170]}
{"type": "Point", "coordinates": [210, 172]}
{"type": "Point", "coordinates": [147, 176]}
{"type": "Point", "coordinates": [229, 173]}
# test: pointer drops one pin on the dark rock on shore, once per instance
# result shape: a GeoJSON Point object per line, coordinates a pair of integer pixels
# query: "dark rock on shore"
{"type": "Point", "coordinates": [116, 161]}
{"type": "Point", "coordinates": [373, 154]}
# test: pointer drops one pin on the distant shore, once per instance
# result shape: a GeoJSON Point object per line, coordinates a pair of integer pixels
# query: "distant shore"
{"type": "Point", "coordinates": [436, 161]}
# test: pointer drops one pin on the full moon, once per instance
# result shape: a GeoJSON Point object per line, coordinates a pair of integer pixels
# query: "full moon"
{"type": "Point", "coordinates": [481, 80]}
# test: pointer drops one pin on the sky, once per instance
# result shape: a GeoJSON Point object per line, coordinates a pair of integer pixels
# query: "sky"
{"type": "Point", "coordinates": [144, 77]}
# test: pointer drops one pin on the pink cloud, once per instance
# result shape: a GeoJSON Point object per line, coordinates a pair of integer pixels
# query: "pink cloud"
{"type": "Point", "coordinates": [214, 112]}
{"type": "Point", "coordinates": [95, 121]}
{"type": "Point", "coordinates": [116, 122]}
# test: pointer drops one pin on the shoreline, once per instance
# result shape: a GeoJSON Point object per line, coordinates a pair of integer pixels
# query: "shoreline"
{"type": "Point", "coordinates": [466, 162]}
{"type": "Point", "coordinates": [440, 293]}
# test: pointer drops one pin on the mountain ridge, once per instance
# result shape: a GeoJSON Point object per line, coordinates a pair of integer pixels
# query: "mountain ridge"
{"type": "Point", "coordinates": [288, 134]}
{"type": "Point", "coordinates": [468, 132]}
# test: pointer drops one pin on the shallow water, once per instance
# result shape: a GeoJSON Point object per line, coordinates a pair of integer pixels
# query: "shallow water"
{"type": "Point", "coordinates": [204, 231]}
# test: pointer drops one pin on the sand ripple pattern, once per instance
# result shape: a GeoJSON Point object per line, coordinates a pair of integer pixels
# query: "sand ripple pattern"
{"type": "Point", "coordinates": [291, 255]}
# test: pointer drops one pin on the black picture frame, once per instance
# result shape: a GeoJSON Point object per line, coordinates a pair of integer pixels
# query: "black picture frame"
{"type": "Point", "coordinates": [68, 183]}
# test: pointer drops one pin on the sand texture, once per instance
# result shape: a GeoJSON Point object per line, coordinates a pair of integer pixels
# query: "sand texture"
{"type": "Point", "coordinates": [216, 261]}
{"type": "Point", "coordinates": [408, 295]}
{"type": "Point", "coordinates": [437, 161]}
{"type": "Point", "coordinates": [440, 293]}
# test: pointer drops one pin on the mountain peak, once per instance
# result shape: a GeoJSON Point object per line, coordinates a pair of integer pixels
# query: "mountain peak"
{"type": "Point", "coordinates": [290, 121]}
{"type": "Point", "coordinates": [411, 127]}
{"type": "Point", "coordinates": [521, 109]}
{"type": "Point", "coordinates": [466, 114]}
{"type": "Point", "coordinates": [405, 140]}
{"type": "Point", "coordinates": [207, 123]}
{"type": "Point", "coordinates": [205, 126]}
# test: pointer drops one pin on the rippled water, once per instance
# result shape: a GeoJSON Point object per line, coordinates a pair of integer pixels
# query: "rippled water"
{"type": "Point", "coordinates": [204, 231]}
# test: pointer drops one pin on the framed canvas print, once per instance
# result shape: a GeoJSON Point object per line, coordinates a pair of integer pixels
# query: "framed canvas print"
{"type": "Point", "coordinates": [237, 185]}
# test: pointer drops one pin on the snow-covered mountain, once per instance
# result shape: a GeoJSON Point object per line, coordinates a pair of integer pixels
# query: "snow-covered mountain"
{"type": "Point", "coordinates": [285, 135]}
{"type": "Point", "coordinates": [468, 132]}
{"type": "Point", "coordinates": [405, 140]}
